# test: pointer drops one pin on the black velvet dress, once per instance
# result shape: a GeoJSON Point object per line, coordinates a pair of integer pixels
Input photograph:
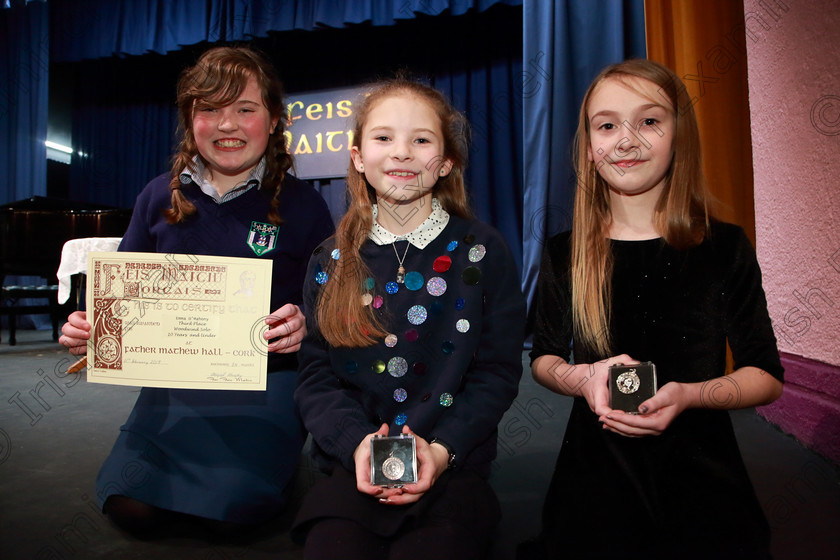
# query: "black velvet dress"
{"type": "Point", "coordinates": [685, 493]}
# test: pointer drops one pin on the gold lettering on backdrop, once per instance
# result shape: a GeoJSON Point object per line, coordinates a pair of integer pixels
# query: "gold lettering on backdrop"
{"type": "Point", "coordinates": [333, 142]}
{"type": "Point", "coordinates": [330, 135]}
{"type": "Point", "coordinates": [314, 112]}
{"type": "Point", "coordinates": [303, 146]}
{"type": "Point", "coordinates": [318, 132]}
{"type": "Point", "coordinates": [290, 109]}
{"type": "Point", "coordinates": [344, 108]}
{"type": "Point", "coordinates": [315, 109]}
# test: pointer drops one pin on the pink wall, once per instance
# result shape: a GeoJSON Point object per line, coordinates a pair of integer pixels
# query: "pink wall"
{"type": "Point", "coordinates": [793, 51]}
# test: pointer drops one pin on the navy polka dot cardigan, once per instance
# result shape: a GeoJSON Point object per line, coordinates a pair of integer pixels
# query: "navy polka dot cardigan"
{"type": "Point", "coordinates": [451, 364]}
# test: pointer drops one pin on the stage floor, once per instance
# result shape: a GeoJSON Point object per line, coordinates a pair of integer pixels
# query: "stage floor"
{"type": "Point", "coordinates": [51, 450]}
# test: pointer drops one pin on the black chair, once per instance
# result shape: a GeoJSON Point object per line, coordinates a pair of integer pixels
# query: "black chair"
{"type": "Point", "coordinates": [12, 304]}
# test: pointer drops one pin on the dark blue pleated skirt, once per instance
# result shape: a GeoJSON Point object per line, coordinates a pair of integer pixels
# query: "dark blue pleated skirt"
{"type": "Point", "coordinates": [225, 455]}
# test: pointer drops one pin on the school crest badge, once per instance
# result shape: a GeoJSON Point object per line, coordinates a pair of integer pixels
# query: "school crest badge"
{"type": "Point", "coordinates": [262, 238]}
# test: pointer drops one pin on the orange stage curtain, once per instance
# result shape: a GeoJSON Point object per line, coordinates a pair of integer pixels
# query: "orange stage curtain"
{"type": "Point", "coordinates": [704, 43]}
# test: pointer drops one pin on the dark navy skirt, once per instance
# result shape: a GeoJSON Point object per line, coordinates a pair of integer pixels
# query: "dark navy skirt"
{"type": "Point", "coordinates": [225, 455]}
{"type": "Point", "coordinates": [458, 498]}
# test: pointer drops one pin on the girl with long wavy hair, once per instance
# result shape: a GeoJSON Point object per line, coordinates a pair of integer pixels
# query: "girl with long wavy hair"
{"type": "Point", "coordinates": [223, 458]}
{"type": "Point", "coordinates": [416, 325]}
{"type": "Point", "coordinates": [647, 274]}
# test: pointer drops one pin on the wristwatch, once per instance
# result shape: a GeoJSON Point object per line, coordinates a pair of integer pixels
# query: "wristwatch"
{"type": "Point", "coordinates": [451, 463]}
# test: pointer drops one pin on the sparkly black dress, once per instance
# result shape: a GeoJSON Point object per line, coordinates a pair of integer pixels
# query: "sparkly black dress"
{"type": "Point", "coordinates": [685, 493]}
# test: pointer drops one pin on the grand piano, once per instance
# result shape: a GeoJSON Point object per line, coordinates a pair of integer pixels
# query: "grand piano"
{"type": "Point", "coordinates": [32, 233]}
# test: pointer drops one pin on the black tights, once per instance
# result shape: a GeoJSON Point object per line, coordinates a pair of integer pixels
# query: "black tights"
{"type": "Point", "coordinates": [147, 521]}
{"type": "Point", "coordinates": [341, 538]}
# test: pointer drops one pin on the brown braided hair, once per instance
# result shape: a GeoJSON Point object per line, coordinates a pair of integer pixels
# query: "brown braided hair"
{"type": "Point", "coordinates": [218, 78]}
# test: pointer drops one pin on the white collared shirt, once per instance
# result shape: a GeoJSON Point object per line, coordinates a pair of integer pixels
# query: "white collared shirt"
{"type": "Point", "coordinates": [254, 180]}
{"type": "Point", "coordinates": [420, 237]}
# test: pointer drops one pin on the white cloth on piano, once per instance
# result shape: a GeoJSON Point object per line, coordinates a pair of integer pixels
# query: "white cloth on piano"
{"type": "Point", "coordinates": [74, 259]}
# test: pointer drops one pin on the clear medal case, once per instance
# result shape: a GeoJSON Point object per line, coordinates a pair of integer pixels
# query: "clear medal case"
{"type": "Point", "coordinates": [393, 460]}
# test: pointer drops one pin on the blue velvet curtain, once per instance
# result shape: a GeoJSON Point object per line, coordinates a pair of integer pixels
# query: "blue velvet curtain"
{"type": "Point", "coordinates": [24, 73]}
{"type": "Point", "coordinates": [122, 140]}
{"type": "Point", "coordinates": [566, 44]}
{"type": "Point", "coordinates": [103, 28]}
{"type": "Point", "coordinates": [494, 170]}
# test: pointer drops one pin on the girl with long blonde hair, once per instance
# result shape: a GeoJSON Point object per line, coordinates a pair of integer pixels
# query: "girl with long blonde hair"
{"type": "Point", "coordinates": [648, 275]}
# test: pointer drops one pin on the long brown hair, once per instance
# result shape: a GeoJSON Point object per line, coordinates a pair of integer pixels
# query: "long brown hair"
{"type": "Point", "coordinates": [218, 79]}
{"type": "Point", "coordinates": [681, 215]}
{"type": "Point", "coordinates": [342, 319]}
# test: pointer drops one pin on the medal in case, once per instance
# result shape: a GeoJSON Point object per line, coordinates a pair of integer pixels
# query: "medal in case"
{"type": "Point", "coordinates": [393, 460]}
{"type": "Point", "coordinates": [630, 386]}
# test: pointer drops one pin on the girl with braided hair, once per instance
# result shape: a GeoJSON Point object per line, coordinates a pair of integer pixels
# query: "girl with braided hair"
{"type": "Point", "coordinates": [224, 458]}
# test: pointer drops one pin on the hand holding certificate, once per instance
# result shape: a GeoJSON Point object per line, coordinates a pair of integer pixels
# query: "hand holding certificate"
{"type": "Point", "coordinates": [178, 321]}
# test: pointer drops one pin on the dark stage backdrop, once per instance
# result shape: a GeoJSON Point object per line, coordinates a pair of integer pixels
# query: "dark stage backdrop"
{"type": "Point", "coordinates": [518, 78]}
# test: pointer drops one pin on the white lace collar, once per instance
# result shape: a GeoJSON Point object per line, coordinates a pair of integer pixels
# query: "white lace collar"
{"type": "Point", "coordinates": [420, 237]}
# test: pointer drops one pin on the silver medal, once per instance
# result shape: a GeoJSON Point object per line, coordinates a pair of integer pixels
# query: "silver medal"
{"type": "Point", "coordinates": [628, 382]}
{"type": "Point", "coordinates": [393, 468]}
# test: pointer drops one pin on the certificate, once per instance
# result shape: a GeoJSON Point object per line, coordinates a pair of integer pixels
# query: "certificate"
{"type": "Point", "coordinates": [178, 321]}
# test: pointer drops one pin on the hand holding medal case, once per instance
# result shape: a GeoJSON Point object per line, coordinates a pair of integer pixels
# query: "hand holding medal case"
{"type": "Point", "coordinates": [393, 460]}
{"type": "Point", "coordinates": [630, 386]}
